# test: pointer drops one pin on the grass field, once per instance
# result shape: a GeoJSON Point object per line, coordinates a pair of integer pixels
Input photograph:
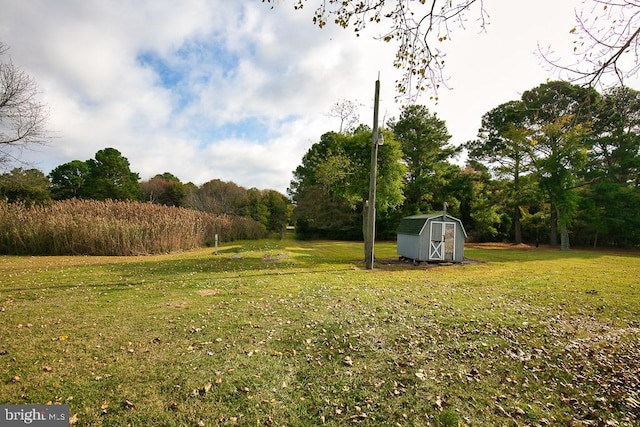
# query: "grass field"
{"type": "Point", "coordinates": [298, 333]}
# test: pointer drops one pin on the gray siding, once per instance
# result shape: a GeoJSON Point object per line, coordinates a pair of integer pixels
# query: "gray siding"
{"type": "Point", "coordinates": [409, 246]}
{"type": "Point", "coordinates": [415, 238]}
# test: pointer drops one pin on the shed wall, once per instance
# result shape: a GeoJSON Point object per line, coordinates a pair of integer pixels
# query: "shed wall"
{"type": "Point", "coordinates": [459, 254]}
{"type": "Point", "coordinates": [417, 247]}
{"type": "Point", "coordinates": [409, 246]}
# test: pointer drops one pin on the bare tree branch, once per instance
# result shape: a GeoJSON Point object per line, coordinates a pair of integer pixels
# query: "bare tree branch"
{"type": "Point", "coordinates": [22, 116]}
{"type": "Point", "coordinates": [418, 28]}
{"type": "Point", "coordinates": [606, 43]}
{"type": "Point", "coordinates": [347, 112]}
{"type": "Point", "coordinates": [606, 36]}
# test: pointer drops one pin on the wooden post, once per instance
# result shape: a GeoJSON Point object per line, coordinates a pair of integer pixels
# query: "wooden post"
{"type": "Point", "coordinates": [370, 235]}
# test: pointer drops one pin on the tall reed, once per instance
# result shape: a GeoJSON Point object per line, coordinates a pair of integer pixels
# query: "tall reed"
{"type": "Point", "coordinates": [90, 227]}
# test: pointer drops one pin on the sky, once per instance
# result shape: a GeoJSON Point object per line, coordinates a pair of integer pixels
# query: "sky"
{"type": "Point", "coordinates": [239, 91]}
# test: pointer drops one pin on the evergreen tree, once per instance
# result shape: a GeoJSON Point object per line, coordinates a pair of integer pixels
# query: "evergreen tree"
{"type": "Point", "coordinates": [110, 177]}
{"type": "Point", "coordinates": [424, 141]}
{"type": "Point", "coordinates": [68, 179]}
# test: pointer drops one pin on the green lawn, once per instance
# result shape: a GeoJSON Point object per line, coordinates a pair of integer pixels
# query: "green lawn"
{"type": "Point", "coordinates": [298, 333]}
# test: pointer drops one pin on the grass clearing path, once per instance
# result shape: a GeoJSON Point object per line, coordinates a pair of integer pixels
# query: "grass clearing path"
{"type": "Point", "coordinates": [298, 333]}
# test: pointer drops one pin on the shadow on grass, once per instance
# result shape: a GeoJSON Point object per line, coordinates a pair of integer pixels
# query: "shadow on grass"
{"type": "Point", "coordinates": [289, 258]}
{"type": "Point", "coordinates": [314, 260]}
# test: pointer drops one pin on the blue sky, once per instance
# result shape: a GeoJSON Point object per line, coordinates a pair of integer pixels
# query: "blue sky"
{"type": "Point", "coordinates": [238, 91]}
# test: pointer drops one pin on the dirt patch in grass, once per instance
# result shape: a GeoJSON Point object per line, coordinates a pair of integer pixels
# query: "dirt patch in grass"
{"type": "Point", "coordinates": [500, 245]}
{"type": "Point", "coordinates": [209, 292]}
{"type": "Point", "coordinates": [397, 263]}
{"type": "Point", "coordinates": [177, 304]}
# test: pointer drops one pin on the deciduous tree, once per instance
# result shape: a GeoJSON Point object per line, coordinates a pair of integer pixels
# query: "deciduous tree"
{"type": "Point", "coordinates": [22, 116]}
{"type": "Point", "coordinates": [222, 198]}
{"type": "Point", "coordinates": [611, 205]}
{"type": "Point", "coordinates": [607, 35]}
{"type": "Point", "coordinates": [606, 42]}
{"type": "Point", "coordinates": [165, 189]}
{"type": "Point", "coordinates": [331, 184]}
{"type": "Point", "coordinates": [279, 207]}
{"type": "Point", "coordinates": [418, 28]}
{"type": "Point", "coordinates": [559, 117]}
{"type": "Point", "coordinates": [347, 112]}
{"type": "Point", "coordinates": [29, 186]}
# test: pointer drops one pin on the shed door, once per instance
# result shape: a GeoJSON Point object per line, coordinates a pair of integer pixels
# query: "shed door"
{"type": "Point", "coordinates": [449, 241]}
{"type": "Point", "coordinates": [442, 242]}
{"type": "Point", "coordinates": [436, 243]}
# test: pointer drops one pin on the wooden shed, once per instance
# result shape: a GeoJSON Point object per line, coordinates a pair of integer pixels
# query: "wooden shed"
{"type": "Point", "coordinates": [432, 237]}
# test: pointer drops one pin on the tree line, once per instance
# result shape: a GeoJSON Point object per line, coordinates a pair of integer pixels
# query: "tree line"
{"type": "Point", "coordinates": [561, 163]}
{"type": "Point", "coordinates": [108, 177]}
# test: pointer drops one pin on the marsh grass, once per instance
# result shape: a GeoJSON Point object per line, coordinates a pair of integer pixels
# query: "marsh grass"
{"type": "Point", "coordinates": [91, 227]}
{"type": "Point", "coordinates": [298, 333]}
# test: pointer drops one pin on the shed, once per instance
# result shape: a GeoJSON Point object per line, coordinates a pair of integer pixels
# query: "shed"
{"type": "Point", "coordinates": [431, 237]}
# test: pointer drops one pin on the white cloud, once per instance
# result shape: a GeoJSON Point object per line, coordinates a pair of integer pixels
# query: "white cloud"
{"type": "Point", "coordinates": [171, 84]}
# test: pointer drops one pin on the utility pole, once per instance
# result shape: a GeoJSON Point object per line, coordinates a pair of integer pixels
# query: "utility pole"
{"type": "Point", "coordinates": [370, 234]}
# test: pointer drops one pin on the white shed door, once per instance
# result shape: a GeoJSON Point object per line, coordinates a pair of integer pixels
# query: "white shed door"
{"type": "Point", "coordinates": [443, 238]}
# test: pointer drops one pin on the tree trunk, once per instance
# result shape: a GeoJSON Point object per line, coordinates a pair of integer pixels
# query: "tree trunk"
{"type": "Point", "coordinates": [553, 232]}
{"type": "Point", "coordinates": [517, 226]}
{"type": "Point", "coordinates": [564, 237]}
{"type": "Point", "coordinates": [365, 230]}
{"type": "Point", "coordinates": [517, 223]}
{"type": "Point", "coordinates": [564, 231]}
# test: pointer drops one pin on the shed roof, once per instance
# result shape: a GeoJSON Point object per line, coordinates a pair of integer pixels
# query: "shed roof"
{"type": "Point", "coordinates": [413, 225]}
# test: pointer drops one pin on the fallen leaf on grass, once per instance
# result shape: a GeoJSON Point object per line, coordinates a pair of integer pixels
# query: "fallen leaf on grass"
{"type": "Point", "coordinates": [128, 404]}
{"type": "Point", "coordinates": [438, 402]}
{"type": "Point", "coordinates": [362, 415]}
{"type": "Point", "coordinates": [502, 411]}
{"type": "Point", "coordinates": [634, 403]}
{"type": "Point", "coordinates": [348, 361]}
{"type": "Point", "coordinates": [203, 390]}
{"type": "Point", "coordinates": [73, 419]}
